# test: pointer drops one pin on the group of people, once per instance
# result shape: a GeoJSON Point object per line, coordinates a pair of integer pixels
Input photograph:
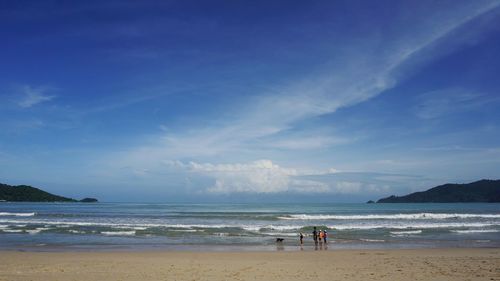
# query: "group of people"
{"type": "Point", "coordinates": [318, 237]}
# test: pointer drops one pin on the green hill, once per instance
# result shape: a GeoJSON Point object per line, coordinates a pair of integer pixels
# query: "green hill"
{"type": "Point", "coordinates": [25, 193]}
{"type": "Point", "coordinates": [480, 191]}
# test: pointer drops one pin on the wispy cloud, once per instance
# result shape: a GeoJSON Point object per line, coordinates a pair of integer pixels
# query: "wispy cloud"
{"type": "Point", "coordinates": [360, 78]}
{"type": "Point", "coordinates": [270, 121]}
{"type": "Point", "coordinates": [313, 142]}
{"type": "Point", "coordinates": [440, 103]}
{"type": "Point", "coordinates": [273, 119]}
{"type": "Point", "coordinates": [34, 95]}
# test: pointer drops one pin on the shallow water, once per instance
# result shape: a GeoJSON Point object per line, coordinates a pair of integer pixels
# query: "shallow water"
{"type": "Point", "coordinates": [59, 226]}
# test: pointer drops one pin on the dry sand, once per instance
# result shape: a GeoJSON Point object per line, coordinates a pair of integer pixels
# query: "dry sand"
{"type": "Point", "coordinates": [420, 264]}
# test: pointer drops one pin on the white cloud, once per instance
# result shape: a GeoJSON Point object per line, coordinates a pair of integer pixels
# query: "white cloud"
{"type": "Point", "coordinates": [141, 172]}
{"type": "Point", "coordinates": [262, 176]}
{"type": "Point", "coordinates": [333, 171]}
{"type": "Point", "coordinates": [262, 123]}
{"type": "Point", "coordinates": [294, 143]}
{"type": "Point", "coordinates": [33, 96]}
{"type": "Point", "coordinates": [309, 186]}
{"type": "Point", "coordinates": [263, 119]}
{"type": "Point", "coordinates": [347, 187]}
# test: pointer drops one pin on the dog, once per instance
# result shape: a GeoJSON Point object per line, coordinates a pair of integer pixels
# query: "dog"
{"type": "Point", "coordinates": [280, 240]}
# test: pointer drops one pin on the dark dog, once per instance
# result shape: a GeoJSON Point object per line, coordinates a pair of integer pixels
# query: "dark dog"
{"type": "Point", "coordinates": [280, 240]}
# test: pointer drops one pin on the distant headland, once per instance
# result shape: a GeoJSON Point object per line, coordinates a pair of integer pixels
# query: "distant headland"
{"type": "Point", "coordinates": [484, 191]}
{"type": "Point", "coordinates": [26, 193]}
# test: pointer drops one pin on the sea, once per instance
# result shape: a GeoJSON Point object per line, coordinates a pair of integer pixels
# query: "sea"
{"type": "Point", "coordinates": [244, 227]}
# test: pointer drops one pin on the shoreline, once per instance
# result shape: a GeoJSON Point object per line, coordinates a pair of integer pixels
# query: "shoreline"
{"type": "Point", "coordinates": [388, 264]}
{"type": "Point", "coordinates": [251, 248]}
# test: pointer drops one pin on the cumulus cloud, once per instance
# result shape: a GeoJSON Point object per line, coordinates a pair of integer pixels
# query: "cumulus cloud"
{"type": "Point", "coordinates": [262, 176]}
{"type": "Point", "coordinates": [33, 96]}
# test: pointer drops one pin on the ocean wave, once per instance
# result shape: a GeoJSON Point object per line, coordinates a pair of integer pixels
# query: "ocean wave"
{"type": "Point", "coordinates": [279, 227]}
{"type": "Point", "coordinates": [37, 230]}
{"type": "Point", "coordinates": [12, 230]}
{"type": "Point", "coordinates": [286, 234]}
{"type": "Point", "coordinates": [139, 227]}
{"type": "Point", "coordinates": [414, 216]}
{"type": "Point", "coordinates": [411, 226]}
{"type": "Point", "coordinates": [475, 231]}
{"type": "Point", "coordinates": [17, 214]}
{"type": "Point", "coordinates": [409, 232]}
{"type": "Point", "coordinates": [118, 233]}
{"type": "Point", "coordinates": [256, 228]}
{"type": "Point", "coordinates": [119, 224]}
{"type": "Point", "coordinates": [372, 240]}
{"type": "Point", "coordinates": [144, 226]}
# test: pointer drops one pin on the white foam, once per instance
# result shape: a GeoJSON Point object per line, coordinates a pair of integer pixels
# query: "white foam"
{"type": "Point", "coordinates": [12, 230]}
{"type": "Point", "coordinates": [414, 216]}
{"type": "Point", "coordinates": [360, 225]}
{"type": "Point", "coordinates": [139, 228]}
{"type": "Point", "coordinates": [282, 227]}
{"type": "Point", "coordinates": [119, 233]}
{"type": "Point", "coordinates": [475, 231]}
{"type": "Point", "coordinates": [409, 232]}
{"type": "Point", "coordinates": [372, 240]}
{"type": "Point", "coordinates": [119, 225]}
{"type": "Point", "coordinates": [412, 225]}
{"type": "Point", "coordinates": [286, 234]}
{"type": "Point", "coordinates": [33, 231]}
{"type": "Point", "coordinates": [185, 230]}
{"type": "Point", "coordinates": [76, 231]}
{"type": "Point", "coordinates": [258, 228]}
{"type": "Point", "coordinates": [252, 228]}
{"type": "Point", "coordinates": [17, 214]}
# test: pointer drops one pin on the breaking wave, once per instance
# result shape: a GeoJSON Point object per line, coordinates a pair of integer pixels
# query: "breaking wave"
{"type": "Point", "coordinates": [475, 231]}
{"type": "Point", "coordinates": [415, 216]}
{"type": "Point", "coordinates": [17, 214]}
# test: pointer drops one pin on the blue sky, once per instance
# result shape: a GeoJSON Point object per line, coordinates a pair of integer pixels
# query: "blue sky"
{"type": "Point", "coordinates": [338, 101]}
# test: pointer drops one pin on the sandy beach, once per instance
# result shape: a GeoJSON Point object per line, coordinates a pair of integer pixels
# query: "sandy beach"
{"type": "Point", "coordinates": [418, 264]}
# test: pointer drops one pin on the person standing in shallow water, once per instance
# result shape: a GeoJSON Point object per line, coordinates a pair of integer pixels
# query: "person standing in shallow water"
{"type": "Point", "coordinates": [301, 236]}
{"type": "Point", "coordinates": [315, 236]}
{"type": "Point", "coordinates": [325, 235]}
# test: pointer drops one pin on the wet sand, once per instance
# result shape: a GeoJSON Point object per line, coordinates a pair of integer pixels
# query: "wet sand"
{"type": "Point", "coordinates": [415, 264]}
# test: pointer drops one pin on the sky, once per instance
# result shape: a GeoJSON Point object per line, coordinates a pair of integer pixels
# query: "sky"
{"type": "Point", "coordinates": [248, 101]}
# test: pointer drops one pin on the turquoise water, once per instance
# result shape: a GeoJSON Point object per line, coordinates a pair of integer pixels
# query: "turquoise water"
{"type": "Point", "coordinates": [60, 226]}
